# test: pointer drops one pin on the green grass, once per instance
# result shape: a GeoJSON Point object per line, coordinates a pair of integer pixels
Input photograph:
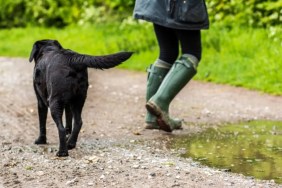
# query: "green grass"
{"type": "Point", "coordinates": [96, 40]}
{"type": "Point", "coordinates": [243, 57]}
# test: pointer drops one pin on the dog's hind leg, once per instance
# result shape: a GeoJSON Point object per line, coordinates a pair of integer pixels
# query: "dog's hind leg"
{"type": "Point", "coordinates": [57, 109]}
{"type": "Point", "coordinates": [76, 109]}
{"type": "Point", "coordinates": [42, 112]}
{"type": "Point", "coordinates": [68, 114]}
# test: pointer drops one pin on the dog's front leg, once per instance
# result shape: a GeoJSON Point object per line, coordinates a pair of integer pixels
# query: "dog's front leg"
{"type": "Point", "coordinates": [57, 113]}
{"type": "Point", "coordinates": [42, 112]}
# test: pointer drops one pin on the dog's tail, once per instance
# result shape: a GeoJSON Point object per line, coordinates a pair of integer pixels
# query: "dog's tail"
{"type": "Point", "coordinates": [98, 62]}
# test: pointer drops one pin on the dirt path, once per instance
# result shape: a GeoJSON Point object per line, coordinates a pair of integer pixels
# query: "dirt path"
{"type": "Point", "coordinates": [113, 149]}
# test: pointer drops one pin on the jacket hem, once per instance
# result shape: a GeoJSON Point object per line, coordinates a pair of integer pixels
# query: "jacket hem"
{"type": "Point", "coordinates": [172, 24]}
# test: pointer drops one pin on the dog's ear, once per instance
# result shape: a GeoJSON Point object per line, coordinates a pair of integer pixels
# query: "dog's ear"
{"type": "Point", "coordinates": [34, 51]}
{"type": "Point", "coordinates": [56, 43]}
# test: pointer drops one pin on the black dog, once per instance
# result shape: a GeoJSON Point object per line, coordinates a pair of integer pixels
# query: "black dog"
{"type": "Point", "coordinates": [60, 81]}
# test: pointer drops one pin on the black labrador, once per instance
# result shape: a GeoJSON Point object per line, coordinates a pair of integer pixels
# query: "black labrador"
{"type": "Point", "coordinates": [60, 81]}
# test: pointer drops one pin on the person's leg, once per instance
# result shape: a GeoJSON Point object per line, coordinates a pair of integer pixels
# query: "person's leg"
{"type": "Point", "coordinates": [179, 75]}
{"type": "Point", "coordinates": [168, 44]}
{"type": "Point", "coordinates": [190, 42]}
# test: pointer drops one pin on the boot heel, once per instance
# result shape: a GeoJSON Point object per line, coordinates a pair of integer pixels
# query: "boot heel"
{"type": "Point", "coordinates": [162, 118]}
{"type": "Point", "coordinates": [153, 109]}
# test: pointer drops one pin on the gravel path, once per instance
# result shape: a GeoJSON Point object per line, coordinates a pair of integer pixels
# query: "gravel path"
{"type": "Point", "coordinates": [113, 150]}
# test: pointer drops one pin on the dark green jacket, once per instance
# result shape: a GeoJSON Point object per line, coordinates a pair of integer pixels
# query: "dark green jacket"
{"type": "Point", "coordinates": [178, 14]}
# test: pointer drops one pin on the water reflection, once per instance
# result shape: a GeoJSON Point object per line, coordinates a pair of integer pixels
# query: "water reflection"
{"type": "Point", "coordinates": [253, 148]}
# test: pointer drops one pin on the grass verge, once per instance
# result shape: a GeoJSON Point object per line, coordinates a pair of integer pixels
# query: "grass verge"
{"type": "Point", "coordinates": [243, 57]}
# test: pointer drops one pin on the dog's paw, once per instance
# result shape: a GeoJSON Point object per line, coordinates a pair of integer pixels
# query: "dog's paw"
{"type": "Point", "coordinates": [41, 140]}
{"type": "Point", "coordinates": [62, 154]}
{"type": "Point", "coordinates": [71, 146]}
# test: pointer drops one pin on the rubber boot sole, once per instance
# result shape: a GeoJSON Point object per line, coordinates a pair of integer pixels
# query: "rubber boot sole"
{"type": "Point", "coordinates": [162, 119]}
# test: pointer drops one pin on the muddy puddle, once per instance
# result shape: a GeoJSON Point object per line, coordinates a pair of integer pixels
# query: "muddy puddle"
{"type": "Point", "coordinates": [250, 148]}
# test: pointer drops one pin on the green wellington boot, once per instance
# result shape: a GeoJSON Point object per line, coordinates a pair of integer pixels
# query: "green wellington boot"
{"type": "Point", "coordinates": [155, 77]}
{"type": "Point", "coordinates": [179, 75]}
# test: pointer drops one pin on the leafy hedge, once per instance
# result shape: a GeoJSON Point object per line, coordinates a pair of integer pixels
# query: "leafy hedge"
{"type": "Point", "coordinates": [60, 13]}
{"type": "Point", "coordinates": [255, 13]}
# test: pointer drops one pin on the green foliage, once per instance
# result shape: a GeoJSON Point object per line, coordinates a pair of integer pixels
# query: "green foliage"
{"type": "Point", "coordinates": [60, 13]}
{"type": "Point", "coordinates": [120, 5]}
{"type": "Point", "coordinates": [11, 13]}
{"type": "Point", "coordinates": [255, 13]}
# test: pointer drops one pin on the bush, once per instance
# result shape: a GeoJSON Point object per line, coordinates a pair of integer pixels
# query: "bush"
{"type": "Point", "coordinates": [60, 13]}
{"type": "Point", "coordinates": [255, 13]}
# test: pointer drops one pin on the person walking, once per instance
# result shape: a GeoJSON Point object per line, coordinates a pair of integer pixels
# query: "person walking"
{"type": "Point", "coordinates": [176, 22]}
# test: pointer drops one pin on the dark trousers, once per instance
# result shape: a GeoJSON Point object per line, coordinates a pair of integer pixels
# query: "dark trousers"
{"type": "Point", "coordinates": [169, 39]}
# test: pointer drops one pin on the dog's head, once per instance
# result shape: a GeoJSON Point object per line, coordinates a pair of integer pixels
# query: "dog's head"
{"type": "Point", "coordinates": [41, 46]}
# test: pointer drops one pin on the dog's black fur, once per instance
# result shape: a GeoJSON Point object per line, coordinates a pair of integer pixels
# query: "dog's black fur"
{"type": "Point", "coordinates": [60, 81]}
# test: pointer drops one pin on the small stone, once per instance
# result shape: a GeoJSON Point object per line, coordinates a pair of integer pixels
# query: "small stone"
{"type": "Point", "coordinates": [90, 184]}
{"type": "Point", "coordinates": [135, 166]}
{"type": "Point", "coordinates": [50, 150]}
{"type": "Point", "coordinates": [92, 159]}
{"type": "Point", "coordinates": [136, 133]}
{"type": "Point", "coordinates": [152, 175]}
{"type": "Point", "coordinates": [226, 170]}
{"type": "Point", "coordinates": [72, 181]}
{"type": "Point", "coordinates": [16, 182]}
{"type": "Point", "coordinates": [40, 173]}
{"type": "Point", "coordinates": [176, 185]}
